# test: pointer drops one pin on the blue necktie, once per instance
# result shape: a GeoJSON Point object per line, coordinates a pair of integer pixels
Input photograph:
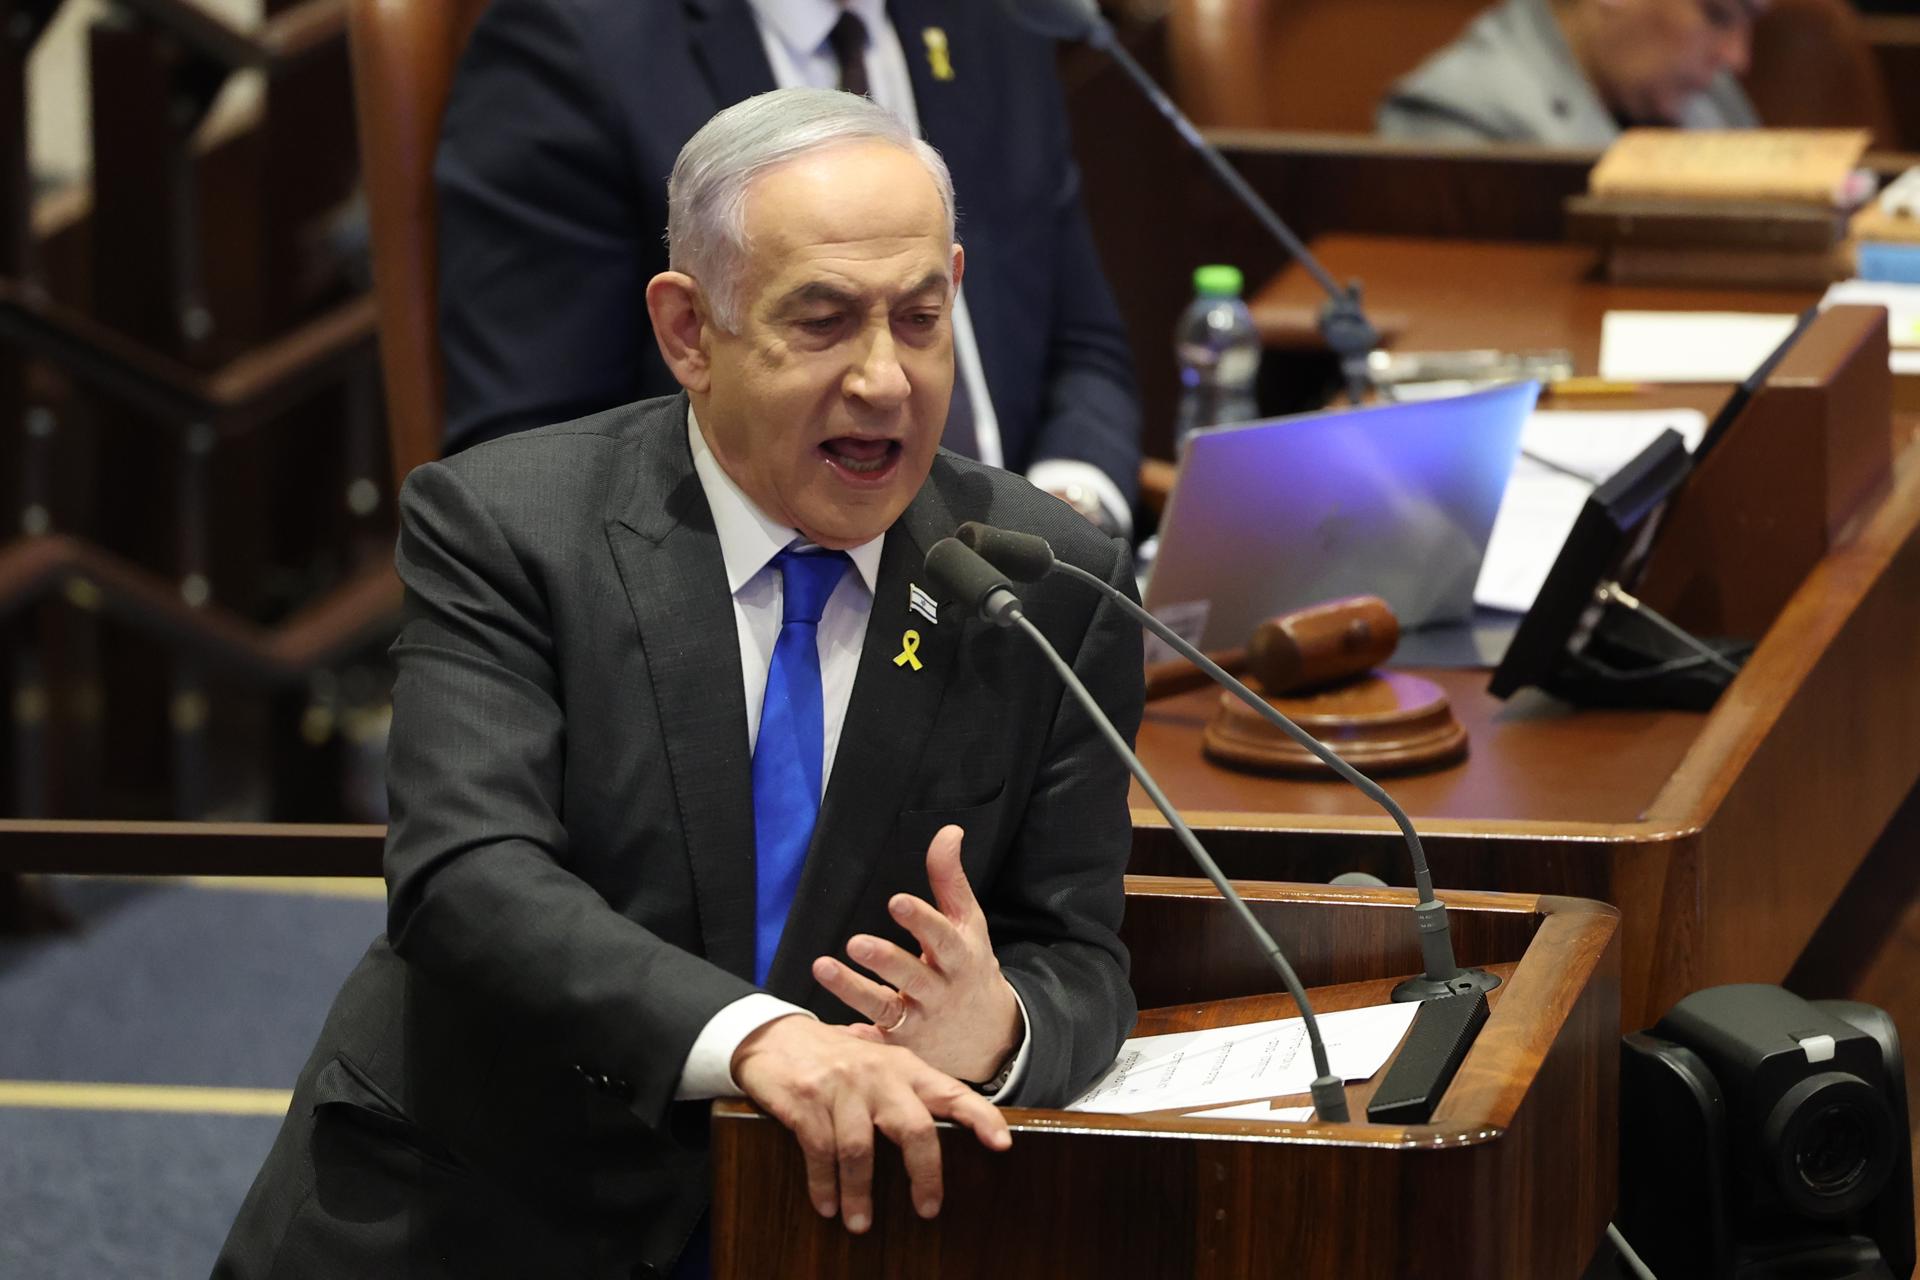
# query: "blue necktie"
{"type": "Point", "coordinates": [788, 753]}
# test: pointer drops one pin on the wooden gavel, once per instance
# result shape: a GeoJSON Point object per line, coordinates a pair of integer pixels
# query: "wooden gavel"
{"type": "Point", "coordinates": [1306, 649]}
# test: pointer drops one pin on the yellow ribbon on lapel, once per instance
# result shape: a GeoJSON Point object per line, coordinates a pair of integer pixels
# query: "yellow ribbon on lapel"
{"type": "Point", "coordinates": [909, 646]}
{"type": "Point", "coordinates": [938, 57]}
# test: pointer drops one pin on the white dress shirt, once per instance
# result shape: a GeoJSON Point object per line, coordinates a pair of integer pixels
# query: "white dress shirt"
{"type": "Point", "coordinates": [748, 543]}
{"type": "Point", "coordinates": [794, 34]}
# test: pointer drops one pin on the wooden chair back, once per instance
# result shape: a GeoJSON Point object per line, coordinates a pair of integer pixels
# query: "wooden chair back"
{"type": "Point", "coordinates": [404, 54]}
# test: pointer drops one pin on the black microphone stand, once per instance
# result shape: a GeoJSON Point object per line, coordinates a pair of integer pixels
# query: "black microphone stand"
{"type": "Point", "coordinates": [1343, 323]}
{"type": "Point", "coordinates": [962, 575]}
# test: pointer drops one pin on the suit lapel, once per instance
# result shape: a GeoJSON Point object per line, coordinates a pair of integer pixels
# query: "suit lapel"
{"type": "Point", "coordinates": [669, 560]}
{"type": "Point", "coordinates": [949, 109]}
{"type": "Point", "coordinates": [727, 48]}
{"type": "Point", "coordinates": [889, 716]}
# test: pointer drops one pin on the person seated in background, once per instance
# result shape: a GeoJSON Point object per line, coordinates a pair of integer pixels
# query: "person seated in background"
{"type": "Point", "coordinates": [696, 792]}
{"type": "Point", "coordinates": [1574, 73]}
{"type": "Point", "coordinates": [565, 116]}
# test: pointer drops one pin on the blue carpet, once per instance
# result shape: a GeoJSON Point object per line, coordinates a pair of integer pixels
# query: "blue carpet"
{"type": "Point", "coordinates": [161, 984]}
{"type": "Point", "coordinates": [132, 1197]}
{"type": "Point", "coordinates": [178, 985]}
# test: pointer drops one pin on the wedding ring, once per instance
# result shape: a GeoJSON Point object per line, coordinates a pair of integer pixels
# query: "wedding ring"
{"type": "Point", "coordinates": [906, 1011]}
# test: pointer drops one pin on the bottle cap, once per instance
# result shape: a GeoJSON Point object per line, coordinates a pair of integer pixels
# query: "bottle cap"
{"type": "Point", "coordinates": [1218, 281]}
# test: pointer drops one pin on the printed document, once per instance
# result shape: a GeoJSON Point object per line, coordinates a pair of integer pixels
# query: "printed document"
{"type": "Point", "coordinates": [1258, 1060]}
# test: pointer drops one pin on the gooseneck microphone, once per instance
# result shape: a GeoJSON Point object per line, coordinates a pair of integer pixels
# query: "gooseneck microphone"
{"type": "Point", "coordinates": [1343, 323]}
{"type": "Point", "coordinates": [1028, 558]}
{"type": "Point", "coordinates": [959, 574]}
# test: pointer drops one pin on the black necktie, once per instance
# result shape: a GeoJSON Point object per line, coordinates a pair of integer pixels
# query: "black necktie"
{"type": "Point", "coordinates": [849, 41]}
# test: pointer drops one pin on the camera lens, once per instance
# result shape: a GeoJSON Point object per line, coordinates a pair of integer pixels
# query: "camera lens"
{"type": "Point", "coordinates": [1833, 1150]}
{"type": "Point", "coordinates": [1830, 1141]}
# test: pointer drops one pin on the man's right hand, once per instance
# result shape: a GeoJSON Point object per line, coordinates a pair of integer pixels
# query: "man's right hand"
{"type": "Point", "coordinates": [833, 1090]}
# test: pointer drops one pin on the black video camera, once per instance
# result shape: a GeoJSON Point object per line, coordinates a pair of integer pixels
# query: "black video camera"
{"type": "Point", "coordinates": [1763, 1135]}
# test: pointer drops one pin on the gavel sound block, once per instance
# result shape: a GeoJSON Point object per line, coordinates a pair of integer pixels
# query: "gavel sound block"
{"type": "Point", "coordinates": [1314, 666]}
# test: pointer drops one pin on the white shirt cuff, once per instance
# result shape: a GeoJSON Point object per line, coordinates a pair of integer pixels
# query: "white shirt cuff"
{"type": "Point", "coordinates": [1062, 473]}
{"type": "Point", "coordinates": [1020, 1055]}
{"type": "Point", "coordinates": [709, 1069]}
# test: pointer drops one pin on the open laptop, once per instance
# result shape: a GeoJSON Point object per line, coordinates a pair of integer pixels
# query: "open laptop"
{"type": "Point", "coordinates": [1391, 500]}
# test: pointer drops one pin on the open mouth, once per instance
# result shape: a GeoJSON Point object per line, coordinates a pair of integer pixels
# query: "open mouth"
{"type": "Point", "coordinates": [861, 459]}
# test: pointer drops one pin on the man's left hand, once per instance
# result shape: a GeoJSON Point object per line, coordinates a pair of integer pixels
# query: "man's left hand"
{"type": "Point", "coordinates": [949, 1004]}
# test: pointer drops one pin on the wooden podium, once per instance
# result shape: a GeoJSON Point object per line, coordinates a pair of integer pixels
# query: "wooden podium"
{"type": "Point", "coordinates": [1515, 1176]}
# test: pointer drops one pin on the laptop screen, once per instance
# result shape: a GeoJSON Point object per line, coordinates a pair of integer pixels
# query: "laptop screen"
{"type": "Point", "coordinates": [1394, 500]}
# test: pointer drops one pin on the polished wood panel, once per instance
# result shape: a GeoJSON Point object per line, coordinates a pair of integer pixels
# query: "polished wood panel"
{"type": "Point", "coordinates": [1604, 766]}
{"type": "Point", "coordinates": [1527, 1126]}
{"type": "Point", "coordinates": [1807, 456]}
{"type": "Point", "coordinates": [58, 847]}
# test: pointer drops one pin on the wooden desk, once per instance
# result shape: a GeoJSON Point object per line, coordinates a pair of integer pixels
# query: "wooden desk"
{"type": "Point", "coordinates": [1724, 838]}
{"type": "Point", "coordinates": [1446, 295]}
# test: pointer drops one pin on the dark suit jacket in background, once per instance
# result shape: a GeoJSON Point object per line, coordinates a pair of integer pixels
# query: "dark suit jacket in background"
{"type": "Point", "coordinates": [570, 863]}
{"type": "Point", "coordinates": [564, 122]}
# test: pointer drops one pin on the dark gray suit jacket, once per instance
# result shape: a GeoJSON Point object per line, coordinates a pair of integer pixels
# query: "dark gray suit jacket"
{"type": "Point", "coordinates": [570, 863]}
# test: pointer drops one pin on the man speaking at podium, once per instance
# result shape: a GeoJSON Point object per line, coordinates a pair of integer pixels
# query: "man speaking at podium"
{"type": "Point", "coordinates": [687, 768]}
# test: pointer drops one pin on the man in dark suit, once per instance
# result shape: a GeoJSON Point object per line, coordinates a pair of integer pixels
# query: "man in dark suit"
{"type": "Point", "coordinates": [629, 636]}
{"type": "Point", "coordinates": [566, 115]}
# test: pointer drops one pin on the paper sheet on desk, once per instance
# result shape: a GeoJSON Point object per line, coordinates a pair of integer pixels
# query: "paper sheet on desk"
{"type": "Point", "coordinates": [1687, 346]}
{"type": "Point", "coordinates": [1540, 504]}
{"type": "Point", "coordinates": [1191, 1069]}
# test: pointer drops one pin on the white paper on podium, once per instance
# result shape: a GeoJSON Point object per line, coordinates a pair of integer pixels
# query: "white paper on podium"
{"type": "Point", "coordinates": [1191, 1069]}
{"type": "Point", "coordinates": [1542, 500]}
{"type": "Point", "coordinates": [1688, 346]}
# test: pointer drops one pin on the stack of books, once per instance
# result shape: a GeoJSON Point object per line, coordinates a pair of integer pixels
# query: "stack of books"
{"type": "Point", "coordinates": [1763, 208]}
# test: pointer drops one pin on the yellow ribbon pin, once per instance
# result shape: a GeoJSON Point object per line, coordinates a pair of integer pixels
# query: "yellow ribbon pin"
{"type": "Point", "coordinates": [909, 646]}
{"type": "Point", "coordinates": [937, 56]}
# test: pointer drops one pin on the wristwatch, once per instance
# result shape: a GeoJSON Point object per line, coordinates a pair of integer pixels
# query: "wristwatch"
{"type": "Point", "coordinates": [1000, 1077]}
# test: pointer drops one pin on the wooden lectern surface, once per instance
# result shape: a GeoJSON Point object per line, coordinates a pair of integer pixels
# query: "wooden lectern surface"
{"type": "Point", "coordinates": [1725, 838]}
{"type": "Point", "coordinates": [1528, 1126]}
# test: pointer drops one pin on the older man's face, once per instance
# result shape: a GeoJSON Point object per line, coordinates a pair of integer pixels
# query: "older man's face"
{"type": "Point", "coordinates": [827, 406]}
{"type": "Point", "coordinates": [1664, 53]}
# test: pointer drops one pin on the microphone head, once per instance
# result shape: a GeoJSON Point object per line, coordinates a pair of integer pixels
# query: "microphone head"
{"type": "Point", "coordinates": [960, 575]}
{"type": "Point", "coordinates": [1024, 557]}
{"type": "Point", "coordinates": [1056, 19]}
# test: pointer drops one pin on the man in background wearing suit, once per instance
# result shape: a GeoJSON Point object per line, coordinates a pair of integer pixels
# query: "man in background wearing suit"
{"type": "Point", "coordinates": [1574, 73]}
{"type": "Point", "coordinates": [678, 733]}
{"type": "Point", "coordinates": [565, 117]}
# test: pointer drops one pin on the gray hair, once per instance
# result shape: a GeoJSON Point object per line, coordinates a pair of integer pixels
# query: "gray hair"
{"type": "Point", "coordinates": [707, 193]}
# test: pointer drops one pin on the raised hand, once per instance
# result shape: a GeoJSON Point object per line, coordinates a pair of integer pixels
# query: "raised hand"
{"type": "Point", "coordinates": [949, 1004]}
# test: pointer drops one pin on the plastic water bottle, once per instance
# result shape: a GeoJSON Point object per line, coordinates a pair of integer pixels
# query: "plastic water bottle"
{"type": "Point", "coordinates": [1219, 354]}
